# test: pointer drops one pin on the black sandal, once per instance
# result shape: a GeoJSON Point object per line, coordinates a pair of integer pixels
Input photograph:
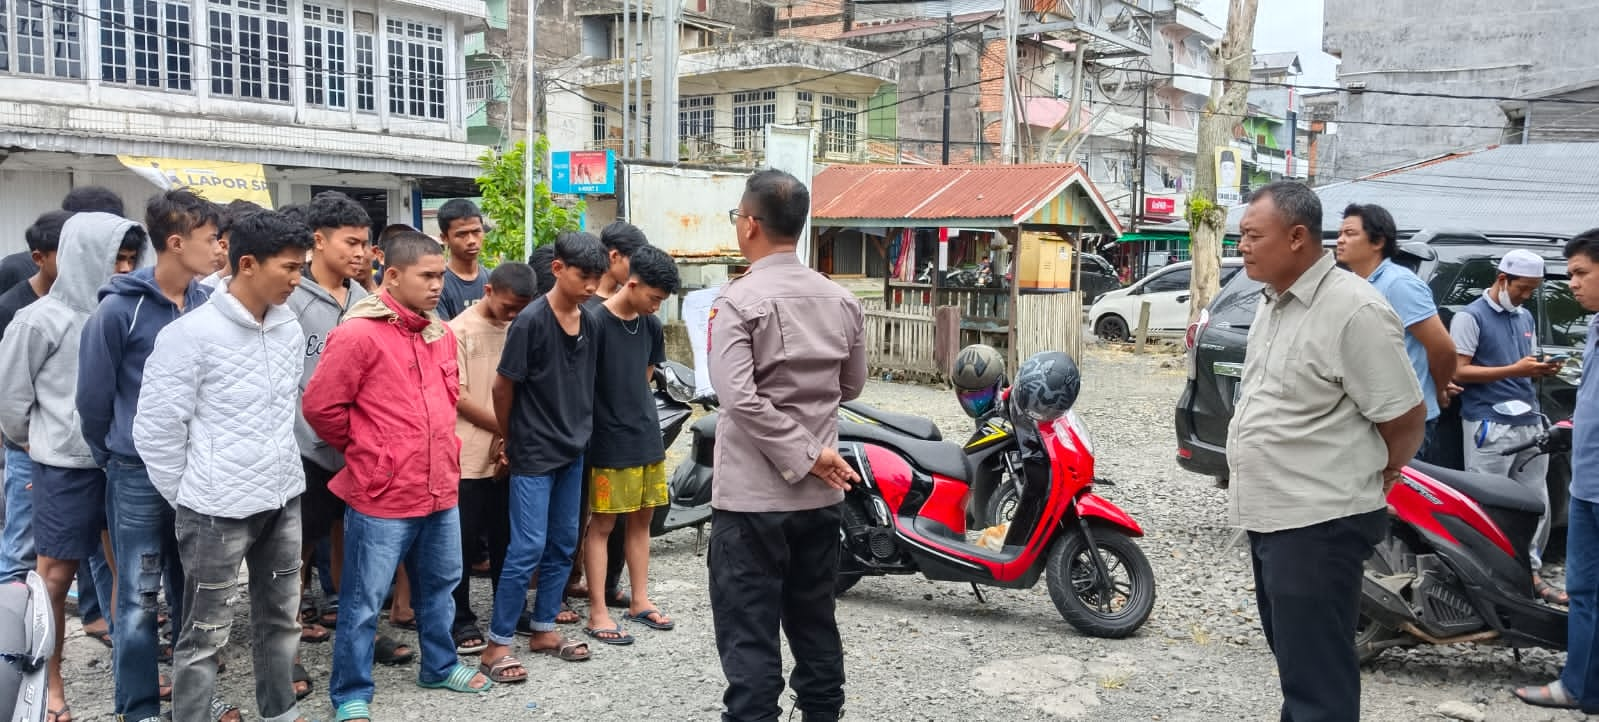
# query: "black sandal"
{"type": "Point", "coordinates": [302, 676]}
{"type": "Point", "coordinates": [1552, 594]}
{"type": "Point", "coordinates": [469, 640]}
{"type": "Point", "coordinates": [387, 651]}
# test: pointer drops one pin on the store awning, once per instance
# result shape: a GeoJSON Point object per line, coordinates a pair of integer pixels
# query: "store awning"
{"type": "Point", "coordinates": [1165, 236]}
{"type": "Point", "coordinates": [217, 181]}
{"type": "Point", "coordinates": [971, 197]}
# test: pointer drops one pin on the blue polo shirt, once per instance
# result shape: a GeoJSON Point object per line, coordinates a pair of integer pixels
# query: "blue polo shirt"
{"type": "Point", "coordinates": [1585, 424]}
{"type": "Point", "coordinates": [1412, 301]}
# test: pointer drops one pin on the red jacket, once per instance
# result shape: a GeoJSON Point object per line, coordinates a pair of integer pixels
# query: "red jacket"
{"type": "Point", "coordinates": [384, 394]}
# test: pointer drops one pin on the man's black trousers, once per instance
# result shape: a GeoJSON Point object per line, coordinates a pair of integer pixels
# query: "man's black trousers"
{"type": "Point", "coordinates": [770, 569]}
{"type": "Point", "coordinates": [1307, 585]}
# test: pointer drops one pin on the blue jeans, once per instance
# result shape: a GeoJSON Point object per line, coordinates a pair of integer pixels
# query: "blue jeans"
{"type": "Point", "coordinates": [142, 537]}
{"type": "Point", "coordinates": [1429, 442]}
{"type": "Point", "coordinates": [17, 557]}
{"type": "Point", "coordinates": [1581, 675]}
{"type": "Point", "coordinates": [373, 549]}
{"type": "Point", "coordinates": [544, 511]}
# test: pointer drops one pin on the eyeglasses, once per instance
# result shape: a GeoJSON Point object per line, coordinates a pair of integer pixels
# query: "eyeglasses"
{"type": "Point", "coordinates": [732, 216]}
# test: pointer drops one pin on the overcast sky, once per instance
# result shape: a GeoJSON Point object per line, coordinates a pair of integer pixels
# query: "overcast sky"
{"type": "Point", "coordinates": [1286, 25]}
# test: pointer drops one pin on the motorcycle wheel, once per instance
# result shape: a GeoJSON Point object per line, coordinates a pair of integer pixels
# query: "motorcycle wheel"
{"type": "Point", "coordinates": [1073, 584]}
{"type": "Point", "coordinates": [1002, 504]}
{"type": "Point", "coordinates": [1370, 634]}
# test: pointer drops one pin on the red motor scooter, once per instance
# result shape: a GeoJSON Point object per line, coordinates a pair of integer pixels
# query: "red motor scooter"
{"type": "Point", "coordinates": [1455, 566]}
{"type": "Point", "coordinates": [908, 515]}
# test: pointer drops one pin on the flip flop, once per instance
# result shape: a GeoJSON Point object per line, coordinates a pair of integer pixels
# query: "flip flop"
{"type": "Point", "coordinates": [1552, 594]}
{"type": "Point", "coordinates": [300, 675]}
{"type": "Point", "coordinates": [353, 710]}
{"type": "Point", "coordinates": [387, 651]}
{"type": "Point", "coordinates": [220, 709]}
{"type": "Point", "coordinates": [102, 636]}
{"type": "Point", "coordinates": [460, 680]}
{"type": "Point", "coordinates": [569, 650]}
{"type": "Point", "coordinates": [497, 672]}
{"type": "Point", "coordinates": [314, 633]}
{"type": "Point", "coordinates": [1551, 695]}
{"type": "Point", "coordinates": [610, 635]}
{"type": "Point", "coordinates": [567, 615]}
{"type": "Point", "coordinates": [408, 625]}
{"type": "Point", "coordinates": [644, 619]}
{"type": "Point", "coordinates": [330, 614]}
{"type": "Point", "coordinates": [55, 715]}
{"type": "Point", "coordinates": [470, 640]}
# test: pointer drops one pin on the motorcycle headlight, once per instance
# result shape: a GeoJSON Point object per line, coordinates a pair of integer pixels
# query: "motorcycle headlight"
{"type": "Point", "coordinates": [1076, 423]}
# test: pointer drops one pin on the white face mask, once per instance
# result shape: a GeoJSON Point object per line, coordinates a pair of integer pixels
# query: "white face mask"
{"type": "Point", "coordinates": [1502, 295]}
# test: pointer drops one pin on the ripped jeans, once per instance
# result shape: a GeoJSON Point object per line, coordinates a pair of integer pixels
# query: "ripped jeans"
{"type": "Point", "coordinates": [140, 522]}
{"type": "Point", "coordinates": [212, 548]}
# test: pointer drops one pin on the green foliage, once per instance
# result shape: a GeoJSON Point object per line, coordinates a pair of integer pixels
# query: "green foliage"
{"type": "Point", "coordinates": [504, 197]}
{"type": "Point", "coordinates": [1197, 209]}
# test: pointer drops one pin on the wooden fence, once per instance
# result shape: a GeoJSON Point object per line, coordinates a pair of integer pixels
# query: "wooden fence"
{"type": "Point", "coordinates": [901, 344]}
{"type": "Point", "coordinates": [1048, 322]}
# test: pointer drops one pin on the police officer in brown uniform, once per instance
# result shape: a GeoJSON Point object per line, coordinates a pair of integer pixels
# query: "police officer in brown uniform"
{"type": "Point", "coordinates": [786, 348]}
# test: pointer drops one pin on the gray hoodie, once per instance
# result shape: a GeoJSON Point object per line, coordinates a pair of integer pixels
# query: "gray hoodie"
{"type": "Point", "coordinates": [318, 312]}
{"type": "Point", "coordinates": [39, 354]}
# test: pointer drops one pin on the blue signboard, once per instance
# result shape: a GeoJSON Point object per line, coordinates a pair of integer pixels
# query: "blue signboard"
{"type": "Point", "coordinates": [582, 172]}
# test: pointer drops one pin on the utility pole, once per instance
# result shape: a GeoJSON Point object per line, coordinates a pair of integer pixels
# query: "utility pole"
{"type": "Point", "coordinates": [627, 79]}
{"type": "Point", "coordinates": [1007, 145]}
{"type": "Point", "coordinates": [663, 89]}
{"type": "Point", "coordinates": [529, 162]}
{"type": "Point", "coordinates": [1142, 148]}
{"type": "Point", "coordinates": [949, 58]}
{"type": "Point", "coordinates": [641, 112]}
{"type": "Point", "coordinates": [1228, 96]}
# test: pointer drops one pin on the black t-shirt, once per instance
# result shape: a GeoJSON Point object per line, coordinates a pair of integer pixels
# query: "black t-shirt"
{"type": "Point", "coordinates": [627, 431]}
{"type": "Point", "coordinates": [458, 294]}
{"type": "Point", "coordinates": [552, 415]}
{"type": "Point", "coordinates": [11, 302]}
{"type": "Point", "coordinates": [16, 268]}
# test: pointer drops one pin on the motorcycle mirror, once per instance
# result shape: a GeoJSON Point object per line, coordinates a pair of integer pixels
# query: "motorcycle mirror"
{"type": "Point", "coordinates": [1513, 408]}
{"type": "Point", "coordinates": [671, 376]}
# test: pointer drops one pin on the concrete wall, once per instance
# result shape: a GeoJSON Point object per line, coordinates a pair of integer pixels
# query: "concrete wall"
{"type": "Point", "coordinates": [1475, 47]}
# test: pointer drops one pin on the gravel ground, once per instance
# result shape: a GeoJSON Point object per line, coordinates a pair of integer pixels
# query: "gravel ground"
{"type": "Point", "coordinates": [920, 650]}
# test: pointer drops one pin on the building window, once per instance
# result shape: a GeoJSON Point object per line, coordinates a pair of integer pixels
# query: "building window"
{"type": "Point", "coordinates": [480, 85]}
{"type": "Point", "coordinates": [416, 69]}
{"type": "Point", "coordinates": [804, 101]}
{"type": "Point", "coordinates": [49, 39]}
{"type": "Point", "coordinates": [602, 130]}
{"type": "Point", "coordinates": [840, 127]}
{"type": "Point", "coordinates": [256, 63]}
{"type": "Point", "coordinates": [365, 71]}
{"type": "Point", "coordinates": [324, 57]}
{"type": "Point", "coordinates": [146, 43]}
{"type": "Point", "coordinates": [696, 120]}
{"type": "Point", "coordinates": [752, 112]}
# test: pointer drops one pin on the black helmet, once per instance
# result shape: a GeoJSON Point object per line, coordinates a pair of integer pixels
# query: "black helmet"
{"type": "Point", "coordinates": [978, 376]}
{"type": "Point", "coordinates": [1046, 386]}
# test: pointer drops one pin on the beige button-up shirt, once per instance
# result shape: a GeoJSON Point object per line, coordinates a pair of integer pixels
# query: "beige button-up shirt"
{"type": "Point", "coordinates": [787, 346]}
{"type": "Point", "coordinates": [1325, 364]}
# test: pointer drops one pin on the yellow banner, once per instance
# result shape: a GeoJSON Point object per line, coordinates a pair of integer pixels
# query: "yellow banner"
{"type": "Point", "coordinates": [215, 180]}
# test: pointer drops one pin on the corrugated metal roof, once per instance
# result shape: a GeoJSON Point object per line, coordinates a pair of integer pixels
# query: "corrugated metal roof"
{"type": "Point", "coordinates": [1537, 188]}
{"type": "Point", "coordinates": [1000, 195]}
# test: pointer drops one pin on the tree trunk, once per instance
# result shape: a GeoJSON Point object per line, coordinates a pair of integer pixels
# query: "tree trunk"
{"type": "Point", "coordinates": [1229, 95]}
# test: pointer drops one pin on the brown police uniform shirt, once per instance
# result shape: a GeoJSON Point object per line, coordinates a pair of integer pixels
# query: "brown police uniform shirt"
{"type": "Point", "coordinates": [786, 347]}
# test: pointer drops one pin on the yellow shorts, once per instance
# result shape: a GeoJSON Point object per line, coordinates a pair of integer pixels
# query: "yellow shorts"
{"type": "Point", "coordinates": [623, 491]}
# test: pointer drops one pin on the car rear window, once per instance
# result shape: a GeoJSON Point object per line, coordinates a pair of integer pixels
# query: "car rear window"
{"type": "Point", "coordinates": [1236, 304]}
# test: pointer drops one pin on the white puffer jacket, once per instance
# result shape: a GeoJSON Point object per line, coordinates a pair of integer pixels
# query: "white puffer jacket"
{"type": "Point", "coordinates": [215, 425]}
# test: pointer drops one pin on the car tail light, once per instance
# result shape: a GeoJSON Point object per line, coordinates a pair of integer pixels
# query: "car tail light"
{"type": "Point", "coordinates": [1191, 341]}
{"type": "Point", "coordinates": [1184, 452]}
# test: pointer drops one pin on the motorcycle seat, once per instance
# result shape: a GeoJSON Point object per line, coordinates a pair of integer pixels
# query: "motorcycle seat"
{"type": "Point", "coordinates": [937, 457]}
{"type": "Point", "coordinates": [904, 423]}
{"type": "Point", "coordinates": [1484, 488]}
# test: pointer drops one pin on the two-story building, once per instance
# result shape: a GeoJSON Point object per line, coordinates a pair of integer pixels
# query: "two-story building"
{"type": "Point", "coordinates": [365, 96]}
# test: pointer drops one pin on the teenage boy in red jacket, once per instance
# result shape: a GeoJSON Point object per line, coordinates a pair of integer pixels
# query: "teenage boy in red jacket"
{"type": "Point", "coordinates": [404, 466]}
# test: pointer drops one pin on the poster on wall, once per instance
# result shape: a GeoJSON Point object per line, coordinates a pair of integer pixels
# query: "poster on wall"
{"type": "Point", "coordinates": [1229, 177]}
{"type": "Point", "coordinates": [214, 180]}
{"type": "Point", "coordinates": [582, 172]}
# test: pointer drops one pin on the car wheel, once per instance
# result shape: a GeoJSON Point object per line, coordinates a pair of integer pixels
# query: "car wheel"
{"type": "Point", "coordinates": [1112, 328]}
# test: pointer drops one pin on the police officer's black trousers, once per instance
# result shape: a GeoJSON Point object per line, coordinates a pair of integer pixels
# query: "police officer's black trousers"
{"type": "Point", "coordinates": [1307, 586]}
{"type": "Point", "coordinates": [770, 569]}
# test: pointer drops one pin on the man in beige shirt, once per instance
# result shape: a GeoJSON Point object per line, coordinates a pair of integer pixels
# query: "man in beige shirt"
{"type": "Point", "coordinates": [786, 347]}
{"type": "Point", "coordinates": [1330, 411]}
{"type": "Point", "coordinates": [480, 332]}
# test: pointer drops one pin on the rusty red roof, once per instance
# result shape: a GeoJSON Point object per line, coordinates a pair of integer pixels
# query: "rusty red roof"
{"type": "Point", "coordinates": [1002, 194]}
